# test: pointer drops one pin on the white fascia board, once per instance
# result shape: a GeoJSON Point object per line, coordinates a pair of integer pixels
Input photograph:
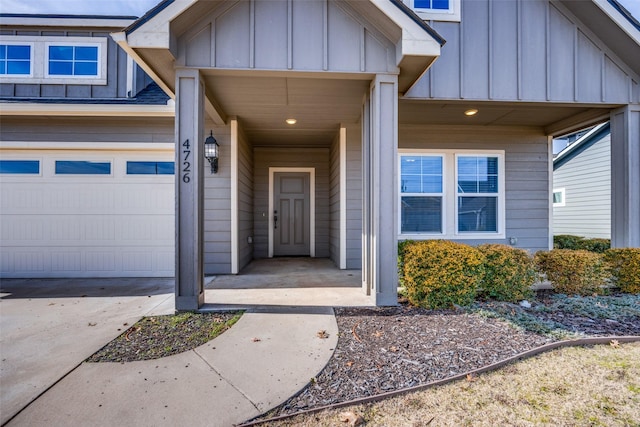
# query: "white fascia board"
{"type": "Point", "coordinates": [156, 32]}
{"type": "Point", "coordinates": [415, 40]}
{"type": "Point", "coordinates": [86, 110]}
{"type": "Point", "coordinates": [620, 20]}
{"type": "Point", "coordinates": [66, 22]}
{"type": "Point", "coordinates": [92, 146]}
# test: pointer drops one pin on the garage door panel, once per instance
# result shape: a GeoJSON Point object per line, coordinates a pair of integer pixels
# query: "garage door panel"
{"type": "Point", "coordinates": [114, 225]}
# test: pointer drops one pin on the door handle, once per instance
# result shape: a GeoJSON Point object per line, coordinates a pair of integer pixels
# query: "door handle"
{"type": "Point", "coordinates": [275, 219]}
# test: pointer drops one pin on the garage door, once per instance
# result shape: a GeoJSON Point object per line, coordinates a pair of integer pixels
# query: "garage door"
{"type": "Point", "coordinates": [87, 214]}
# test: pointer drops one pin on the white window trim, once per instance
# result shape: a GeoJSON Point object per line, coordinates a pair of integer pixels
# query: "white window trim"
{"type": "Point", "coordinates": [450, 197]}
{"type": "Point", "coordinates": [451, 15]}
{"type": "Point", "coordinates": [40, 60]}
{"type": "Point", "coordinates": [19, 76]}
{"type": "Point", "coordinates": [564, 197]}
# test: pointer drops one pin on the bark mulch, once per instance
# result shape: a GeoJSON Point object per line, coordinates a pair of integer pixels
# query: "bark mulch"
{"type": "Point", "coordinates": [386, 349]}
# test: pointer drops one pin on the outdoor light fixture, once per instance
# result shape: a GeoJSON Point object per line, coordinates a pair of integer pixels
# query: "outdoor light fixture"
{"type": "Point", "coordinates": [291, 121]}
{"type": "Point", "coordinates": [471, 112]}
{"type": "Point", "coordinates": [211, 152]}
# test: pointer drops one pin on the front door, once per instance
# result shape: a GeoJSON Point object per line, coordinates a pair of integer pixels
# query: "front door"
{"type": "Point", "coordinates": [291, 219]}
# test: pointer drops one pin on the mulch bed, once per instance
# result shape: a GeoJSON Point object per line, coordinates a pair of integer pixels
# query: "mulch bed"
{"type": "Point", "coordinates": [385, 349]}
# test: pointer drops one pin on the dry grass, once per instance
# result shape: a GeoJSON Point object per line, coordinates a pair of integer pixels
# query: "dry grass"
{"type": "Point", "coordinates": [595, 386]}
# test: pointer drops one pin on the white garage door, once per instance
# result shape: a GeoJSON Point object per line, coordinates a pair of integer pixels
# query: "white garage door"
{"type": "Point", "coordinates": [87, 214]}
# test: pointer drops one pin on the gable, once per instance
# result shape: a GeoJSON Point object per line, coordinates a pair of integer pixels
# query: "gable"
{"type": "Point", "coordinates": [528, 50]}
{"type": "Point", "coordinates": [283, 35]}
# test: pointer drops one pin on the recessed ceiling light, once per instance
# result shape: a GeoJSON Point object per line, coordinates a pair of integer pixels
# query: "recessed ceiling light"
{"type": "Point", "coordinates": [291, 121]}
{"type": "Point", "coordinates": [471, 112]}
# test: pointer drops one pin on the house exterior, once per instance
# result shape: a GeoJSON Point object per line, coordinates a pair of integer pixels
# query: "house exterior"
{"type": "Point", "coordinates": [582, 186]}
{"type": "Point", "coordinates": [345, 126]}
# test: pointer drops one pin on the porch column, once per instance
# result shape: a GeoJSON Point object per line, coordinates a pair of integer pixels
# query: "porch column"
{"type": "Point", "coordinates": [380, 249]}
{"type": "Point", "coordinates": [189, 276]}
{"type": "Point", "coordinates": [625, 177]}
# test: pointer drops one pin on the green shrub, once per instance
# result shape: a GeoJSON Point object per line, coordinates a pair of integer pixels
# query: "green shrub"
{"type": "Point", "coordinates": [573, 272]}
{"type": "Point", "coordinates": [624, 265]}
{"type": "Point", "coordinates": [441, 274]}
{"type": "Point", "coordinates": [595, 245]}
{"type": "Point", "coordinates": [509, 273]}
{"type": "Point", "coordinates": [567, 241]}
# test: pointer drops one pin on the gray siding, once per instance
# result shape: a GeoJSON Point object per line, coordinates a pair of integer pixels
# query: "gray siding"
{"type": "Point", "coordinates": [317, 158]}
{"type": "Point", "coordinates": [245, 199]}
{"type": "Point", "coordinates": [116, 86]}
{"type": "Point", "coordinates": [586, 179]}
{"type": "Point", "coordinates": [217, 208]}
{"type": "Point", "coordinates": [526, 179]}
{"type": "Point", "coordinates": [524, 50]}
{"type": "Point", "coordinates": [354, 196]}
{"type": "Point", "coordinates": [103, 129]}
{"type": "Point", "coordinates": [334, 202]}
{"type": "Point", "coordinates": [282, 35]}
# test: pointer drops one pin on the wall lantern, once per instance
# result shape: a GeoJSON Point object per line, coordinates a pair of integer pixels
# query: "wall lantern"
{"type": "Point", "coordinates": [211, 152]}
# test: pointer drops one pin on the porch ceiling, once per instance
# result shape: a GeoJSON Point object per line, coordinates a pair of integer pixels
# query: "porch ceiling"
{"type": "Point", "coordinates": [262, 104]}
{"type": "Point", "coordinates": [552, 118]}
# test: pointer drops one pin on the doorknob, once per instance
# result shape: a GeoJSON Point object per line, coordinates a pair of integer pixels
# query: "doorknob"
{"type": "Point", "coordinates": [275, 219]}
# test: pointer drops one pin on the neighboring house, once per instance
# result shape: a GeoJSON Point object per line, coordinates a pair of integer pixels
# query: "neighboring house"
{"type": "Point", "coordinates": [86, 160]}
{"type": "Point", "coordinates": [582, 186]}
{"type": "Point", "coordinates": [345, 126]}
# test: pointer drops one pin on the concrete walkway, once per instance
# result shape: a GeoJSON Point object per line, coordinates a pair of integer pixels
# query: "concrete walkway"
{"type": "Point", "coordinates": [269, 355]}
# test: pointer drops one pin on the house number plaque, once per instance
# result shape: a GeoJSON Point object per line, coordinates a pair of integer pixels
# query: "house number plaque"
{"type": "Point", "coordinates": [186, 164]}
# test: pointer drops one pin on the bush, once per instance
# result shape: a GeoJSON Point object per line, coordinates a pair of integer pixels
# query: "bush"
{"type": "Point", "coordinates": [624, 266]}
{"type": "Point", "coordinates": [402, 245]}
{"type": "Point", "coordinates": [441, 274]}
{"type": "Point", "coordinates": [567, 241]}
{"type": "Point", "coordinates": [573, 272]}
{"type": "Point", "coordinates": [509, 273]}
{"type": "Point", "coordinates": [595, 245]}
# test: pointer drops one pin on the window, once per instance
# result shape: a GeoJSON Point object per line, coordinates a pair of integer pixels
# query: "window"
{"type": "Point", "coordinates": [31, 167]}
{"type": "Point", "coordinates": [15, 59]}
{"type": "Point", "coordinates": [150, 168]}
{"type": "Point", "coordinates": [477, 193]}
{"type": "Point", "coordinates": [451, 194]}
{"type": "Point", "coordinates": [558, 197]}
{"type": "Point", "coordinates": [53, 60]}
{"type": "Point", "coordinates": [82, 167]}
{"type": "Point", "coordinates": [421, 192]}
{"type": "Point", "coordinates": [436, 10]}
{"type": "Point", "coordinates": [73, 60]}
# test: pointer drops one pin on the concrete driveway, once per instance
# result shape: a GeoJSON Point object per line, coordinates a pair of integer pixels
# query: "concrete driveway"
{"type": "Point", "coordinates": [49, 326]}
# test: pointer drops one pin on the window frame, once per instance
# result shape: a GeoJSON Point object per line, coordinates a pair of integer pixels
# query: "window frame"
{"type": "Point", "coordinates": [563, 202]}
{"type": "Point", "coordinates": [21, 174]}
{"type": "Point", "coordinates": [450, 196]}
{"type": "Point", "coordinates": [427, 14]}
{"type": "Point", "coordinates": [31, 52]}
{"type": "Point", "coordinates": [61, 43]}
{"type": "Point", "coordinates": [40, 60]}
{"type": "Point", "coordinates": [110, 162]}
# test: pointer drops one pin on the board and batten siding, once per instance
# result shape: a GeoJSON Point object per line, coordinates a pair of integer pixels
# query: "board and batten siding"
{"type": "Point", "coordinates": [586, 179]}
{"type": "Point", "coordinates": [524, 50]}
{"type": "Point", "coordinates": [245, 200]}
{"type": "Point", "coordinates": [116, 86]}
{"type": "Point", "coordinates": [318, 35]}
{"type": "Point", "coordinates": [526, 167]}
{"type": "Point", "coordinates": [264, 158]}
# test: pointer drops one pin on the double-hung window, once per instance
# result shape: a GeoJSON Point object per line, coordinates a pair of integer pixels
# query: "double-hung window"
{"type": "Point", "coordinates": [436, 10]}
{"type": "Point", "coordinates": [15, 60]}
{"type": "Point", "coordinates": [451, 194]}
{"type": "Point", "coordinates": [421, 193]}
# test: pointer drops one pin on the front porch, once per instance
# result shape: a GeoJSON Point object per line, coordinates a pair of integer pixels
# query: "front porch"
{"type": "Point", "coordinates": [286, 282]}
